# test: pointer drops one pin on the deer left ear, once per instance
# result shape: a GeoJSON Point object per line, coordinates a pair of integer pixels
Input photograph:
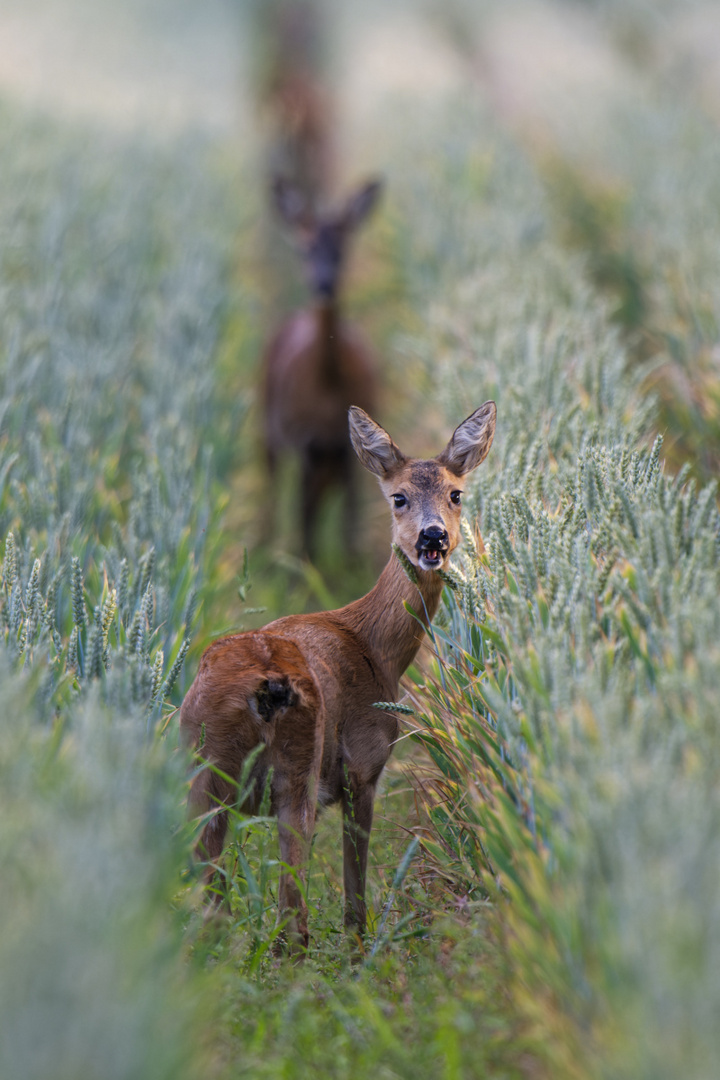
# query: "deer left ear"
{"type": "Point", "coordinates": [372, 444]}
{"type": "Point", "coordinates": [361, 204]}
{"type": "Point", "coordinates": [471, 441]}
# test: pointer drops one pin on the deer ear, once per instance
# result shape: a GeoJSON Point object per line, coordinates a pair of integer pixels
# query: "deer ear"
{"type": "Point", "coordinates": [471, 441]}
{"type": "Point", "coordinates": [361, 204]}
{"type": "Point", "coordinates": [291, 203]}
{"type": "Point", "coordinates": [372, 444]}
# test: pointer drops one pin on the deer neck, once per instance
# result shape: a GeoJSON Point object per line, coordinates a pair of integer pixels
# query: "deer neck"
{"type": "Point", "coordinates": [328, 321]}
{"type": "Point", "coordinates": [391, 634]}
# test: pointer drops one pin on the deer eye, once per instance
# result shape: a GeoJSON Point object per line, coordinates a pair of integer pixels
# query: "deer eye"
{"type": "Point", "coordinates": [400, 500]}
{"type": "Point", "coordinates": [455, 497]}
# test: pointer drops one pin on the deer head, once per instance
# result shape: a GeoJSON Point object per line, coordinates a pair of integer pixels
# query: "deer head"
{"type": "Point", "coordinates": [322, 238]}
{"type": "Point", "coordinates": [425, 496]}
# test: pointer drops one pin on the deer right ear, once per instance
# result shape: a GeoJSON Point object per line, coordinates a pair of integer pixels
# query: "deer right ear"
{"type": "Point", "coordinates": [291, 203]}
{"type": "Point", "coordinates": [372, 444]}
{"type": "Point", "coordinates": [471, 441]}
{"type": "Point", "coordinates": [361, 204]}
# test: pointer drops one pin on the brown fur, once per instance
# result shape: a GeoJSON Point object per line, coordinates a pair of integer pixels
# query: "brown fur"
{"type": "Point", "coordinates": [317, 364]}
{"type": "Point", "coordinates": [305, 686]}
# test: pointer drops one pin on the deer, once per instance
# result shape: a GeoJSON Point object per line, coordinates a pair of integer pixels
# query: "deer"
{"type": "Point", "coordinates": [296, 698]}
{"type": "Point", "coordinates": [318, 364]}
{"type": "Point", "coordinates": [296, 95]}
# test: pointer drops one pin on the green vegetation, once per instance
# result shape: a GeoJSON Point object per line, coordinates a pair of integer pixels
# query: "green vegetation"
{"type": "Point", "coordinates": [112, 269]}
{"type": "Point", "coordinates": [571, 717]}
{"type": "Point", "coordinates": [543, 893]}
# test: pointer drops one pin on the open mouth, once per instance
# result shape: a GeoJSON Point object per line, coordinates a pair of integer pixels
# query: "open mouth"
{"type": "Point", "coordinates": [431, 558]}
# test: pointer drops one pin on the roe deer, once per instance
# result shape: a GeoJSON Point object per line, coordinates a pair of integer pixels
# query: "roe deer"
{"type": "Point", "coordinates": [295, 94]}
{"type": "Point", "coordinates": [303, 687]}
{"type": "Point", "coordinates": [317, 364]}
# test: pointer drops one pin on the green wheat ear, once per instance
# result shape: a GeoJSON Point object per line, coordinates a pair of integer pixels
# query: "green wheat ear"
{"type": "Point", "coordinates": [78, 598]}
{"type": "Point", "coordinates": [72, 654]}
{"type": "Point", "coordinates": [451, 579]}
{"type": "Point", "coordinates": [10, 570]}
{"type": "Point", "coordinates": [175, 669]}
{"type": "Point", "coordinates": [407, 566]}
{"type": "Point", "coordinates": [95, 647]}
{"type": "Point", "coordinates": [394, 706]}
{"type": "Point", "coordinates": [107, 615]}
{"type": "Point", "coordinates": [157, 674]}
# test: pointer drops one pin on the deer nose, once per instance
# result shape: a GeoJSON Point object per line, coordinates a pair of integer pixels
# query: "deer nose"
{"type": "Point", "coordinates": [434, 537]}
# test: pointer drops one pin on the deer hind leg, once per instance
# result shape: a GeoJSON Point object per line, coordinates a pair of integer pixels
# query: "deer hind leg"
{"type": "Point", "coordinates": [298, 739]}
{"type": "Point", "coordinates": [295, 830]}
{"type": "Point", "coordinates": [357, 805]}
{"type": "Point", "coordinates": [210, 793]}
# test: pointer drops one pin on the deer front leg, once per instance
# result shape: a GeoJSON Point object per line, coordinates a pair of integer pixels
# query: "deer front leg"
{"type": "Point", "coordinates": [357, 806]}
{"type": "Point", "coordinates": [295, 829]}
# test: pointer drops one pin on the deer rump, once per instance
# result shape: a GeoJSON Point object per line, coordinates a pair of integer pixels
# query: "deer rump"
{"type": "Point", "coordinates": [263, 693]}
{"type": "Point", "coordinates": [260, 689]}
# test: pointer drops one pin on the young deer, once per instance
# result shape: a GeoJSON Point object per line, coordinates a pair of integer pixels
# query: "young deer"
{"type": "Point", "coordinates": [303, 687]}
{"type": "Point", "coordinates": [317, 364]}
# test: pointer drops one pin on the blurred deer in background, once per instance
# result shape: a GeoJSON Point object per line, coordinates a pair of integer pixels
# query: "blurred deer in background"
{"type": "Point", "coordinates": [295, 96]}
{"type": "Point", "coordinates": [303, 688]}
{"type": "Point", "coordinates": [318, 364]}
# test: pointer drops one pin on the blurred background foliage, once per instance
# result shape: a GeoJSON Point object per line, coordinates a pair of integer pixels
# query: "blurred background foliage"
{"type": "Point", "coordinates": [549, 238]}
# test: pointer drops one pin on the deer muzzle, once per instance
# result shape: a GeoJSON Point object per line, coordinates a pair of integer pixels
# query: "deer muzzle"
{"type": "Point", "coordinates": [432, 547]}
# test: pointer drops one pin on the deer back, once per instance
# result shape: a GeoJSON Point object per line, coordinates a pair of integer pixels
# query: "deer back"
{"type": "Point", "coordinates": [254, 689]}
